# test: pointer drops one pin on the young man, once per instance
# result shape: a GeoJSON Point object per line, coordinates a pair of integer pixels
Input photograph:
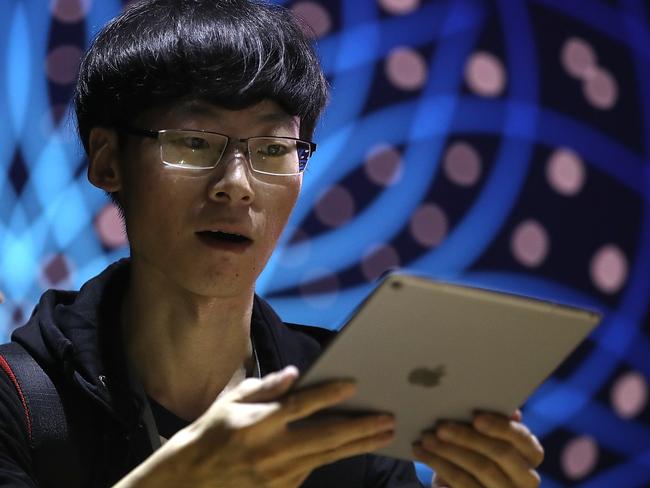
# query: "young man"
{"type": "Point", "coordinates": [197, 117]}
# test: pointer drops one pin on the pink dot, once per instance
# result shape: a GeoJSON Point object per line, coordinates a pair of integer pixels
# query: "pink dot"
{"type": "Point", "coordinates": [428, 225]}
{"type": "Point", "coordinates": [485, 74]}
{"type": "Point", "coordinates": [18, 315]}
{"type": "Point", "coordinates": [317, 19]}
{"type": "Point", "coordinates": [609, 269]}
{"type": "Point", "coordinates": [565, 172]}
{"type": "Point", "coordinates": [70, 11]}
{"type": "Point", "coordinates": [406, 68]}
{"type": "Point", "coordinates": [378, 260]}
{"type": "Point", "coordinates": [335, 207]}
{"type": "Point", "coordinates": [577, 57]}
{"type": "Point", "coordinates": [399, 7]}
{"type": "Point", "coordinates": [530, 243]}
{"type": "Point", "coordinates": [56, 270]}
{"type": "Point", "coordinates": [319, 288]}
{"type": "Point", "coordinates": [383, 165]}
{"type": "Point", "coordinates": [462, 164]}
{"type": "Point", "coordinates": [600, 89]}
{"type": "Point", "coordinates": [109, 225]}
{"type": "Point", "coordinates": [579, 457]}
{"type": "Point", "coordinates": [629, 395]}
{"type": "Point", "coordinates": [62, 64]}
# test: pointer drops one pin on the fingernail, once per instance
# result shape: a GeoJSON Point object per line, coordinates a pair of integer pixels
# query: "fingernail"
{"type": "Point", "coordinates": [291, 370]}
{"type": "Point", "coordinates": [446, 432]}
{"type": "Point", "coordinates": [386, 421]}
{"type": "Point", "coordinates": [346, 388]}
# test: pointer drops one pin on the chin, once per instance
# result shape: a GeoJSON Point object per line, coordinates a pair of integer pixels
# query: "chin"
{"type": "Point", "coordinates": [220, 283]}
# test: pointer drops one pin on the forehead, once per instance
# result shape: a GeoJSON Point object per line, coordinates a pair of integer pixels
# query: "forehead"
{"type": "Point", "coordinates": [206, 115]}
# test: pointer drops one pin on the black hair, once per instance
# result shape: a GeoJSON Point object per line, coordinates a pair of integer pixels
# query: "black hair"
{"type": "Point", "coordinates": [233, 53]}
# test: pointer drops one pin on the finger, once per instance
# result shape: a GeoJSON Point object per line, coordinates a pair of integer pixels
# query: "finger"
{"type": "Point", "coordinates": [504, 454]}
{"type": "Point", "coordinates": [355, 448]}
{"type": "Point", "coordinates": [439, 482]}
{"type": "Point", "coordinates": [455, 476]}
{"type": "Point", "coordinates": [512, 432]}
{"type": "Point", "coordinates": [333, 433]}
{"type": "Point", "coordinates": [271, 387]}
{"type": "Point", "coordinates": [303, 403]}
{"type": "Point", "coordinates": [482, 468]}
{"type": "Point", "coordinates": [517, 416]}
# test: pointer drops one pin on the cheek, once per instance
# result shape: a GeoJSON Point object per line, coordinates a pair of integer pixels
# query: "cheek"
{"type": "Point", "coordinates": [154, 203]}
{"type": "Point", "coordinates": [284, 200]}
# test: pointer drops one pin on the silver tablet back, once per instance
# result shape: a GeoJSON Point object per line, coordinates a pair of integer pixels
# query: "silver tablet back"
{"type": "Point", "coordinates": [428, 351]}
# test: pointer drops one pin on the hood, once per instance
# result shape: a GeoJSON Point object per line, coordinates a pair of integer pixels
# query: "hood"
{"type": "Point", "coordinates": [73, 335]}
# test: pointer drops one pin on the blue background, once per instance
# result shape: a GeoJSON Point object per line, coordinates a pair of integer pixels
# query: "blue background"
{"type": "Point", "coordinates": [350, 225]}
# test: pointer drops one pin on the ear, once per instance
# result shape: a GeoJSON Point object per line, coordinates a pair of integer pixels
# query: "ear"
{"type": "Point", "coordinates": [103, 154]}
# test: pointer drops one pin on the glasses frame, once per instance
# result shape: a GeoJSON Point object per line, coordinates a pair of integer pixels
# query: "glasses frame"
{"type": "Point", "coordinates": [155, 134]}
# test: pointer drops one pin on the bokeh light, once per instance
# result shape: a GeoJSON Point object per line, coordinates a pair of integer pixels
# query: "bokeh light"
{"type": "Point", "coordinates": [579, 457]}
{"type": "Point", "coordinates": [406, 68]}
{"type": "Point", "coordinates": [609, 268]}
{"type": "Point", "coordinates": [629, 395]}
{"type": "Point", "coordinates": [70, 11]}
{"type": "Point", "coordinates": [565, 172]}
{"type": "Point", "coordinates": [485, 74]}
{"type": "Point", "coordinates": [62, 64]}
{"type": "Point", "coordinates": [530, 243]}
{"type": "Point", "coordinates": [335, 207]}
{"type": "Point", "coordinates": [383, 165]}
{"type": "Point", "coordinates": [429, 225]}
{"type": "Point", "coordinates": [316, 16]}
{"type": "Point", "coordinates": [462, 164]}
{"type": "Point", "coordinates": [578, 57]}
{"type": "Point", "coordinates": [399, 7]}
{"type": "Point", "coordinates": [378, 260]}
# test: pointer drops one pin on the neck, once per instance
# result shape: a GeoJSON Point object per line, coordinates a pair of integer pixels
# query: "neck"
{"type": "Point", "coordinates": [184, 347]}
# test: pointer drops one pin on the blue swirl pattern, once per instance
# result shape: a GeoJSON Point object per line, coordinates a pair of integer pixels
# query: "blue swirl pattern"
{"type": "Point", "coordinates": [592, 415]}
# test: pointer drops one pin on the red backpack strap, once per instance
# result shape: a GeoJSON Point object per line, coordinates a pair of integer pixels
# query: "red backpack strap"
{"type": "Point", "coordinates": [4, 364]}
{"type": "Point", "coordinates": [47, 425]}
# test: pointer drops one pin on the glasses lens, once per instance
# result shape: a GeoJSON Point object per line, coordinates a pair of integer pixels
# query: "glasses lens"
{"type": "Point", "coordinates": [192, 149]}
{"type": "Point", "coordinates": [278, 155]}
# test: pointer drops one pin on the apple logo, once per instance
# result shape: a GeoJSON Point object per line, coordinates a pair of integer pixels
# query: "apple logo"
{"type": "Point", "coordinates": [427, 377]}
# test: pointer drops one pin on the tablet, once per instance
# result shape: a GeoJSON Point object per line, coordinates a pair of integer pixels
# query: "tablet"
{"type": "Point", "coordinates": [428, 351]}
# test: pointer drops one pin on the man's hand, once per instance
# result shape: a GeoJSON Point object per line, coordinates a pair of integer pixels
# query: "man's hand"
{"type": "Point", "coordinates": [246, 438]}
{"type": "Point", "coordinates": [494, 452]}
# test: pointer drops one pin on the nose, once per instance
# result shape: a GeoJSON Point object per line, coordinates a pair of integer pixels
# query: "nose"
{"type": "Point", "coordinates": [232, 180]}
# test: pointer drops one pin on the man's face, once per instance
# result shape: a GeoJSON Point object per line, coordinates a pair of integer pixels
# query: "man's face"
{"type": "Point", "coordinates": [170, 211]}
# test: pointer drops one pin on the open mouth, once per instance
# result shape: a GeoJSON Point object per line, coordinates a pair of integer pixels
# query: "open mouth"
{"type": "Point", "coordinates": [224, 240]}
{"type": "Point", "coordinates": [224, 236]}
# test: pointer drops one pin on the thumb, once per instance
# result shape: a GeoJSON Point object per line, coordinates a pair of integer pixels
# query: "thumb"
{"type": "Point", "coordinates": [517, 416]}
{"type": "Point", "coordinates": [272, 386]}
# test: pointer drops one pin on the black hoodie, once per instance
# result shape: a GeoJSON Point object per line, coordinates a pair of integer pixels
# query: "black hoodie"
{"type": "Point", "coordinates": [75, 338]}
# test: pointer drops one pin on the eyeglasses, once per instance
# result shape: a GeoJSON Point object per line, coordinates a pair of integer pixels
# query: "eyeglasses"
{"type": "Point", "coordinates": [202, 149]}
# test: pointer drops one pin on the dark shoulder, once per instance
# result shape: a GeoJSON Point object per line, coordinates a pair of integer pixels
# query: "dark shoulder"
{"type": "Point", "coordinates": [296, 344]}
{"type": "Point", "coordinates": [321, 335]}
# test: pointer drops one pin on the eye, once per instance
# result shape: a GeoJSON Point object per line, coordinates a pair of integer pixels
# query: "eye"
{"type": "Point", "coordinates": [195, 143]}
{"type": "Point", "coordinates": [273, 150]}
